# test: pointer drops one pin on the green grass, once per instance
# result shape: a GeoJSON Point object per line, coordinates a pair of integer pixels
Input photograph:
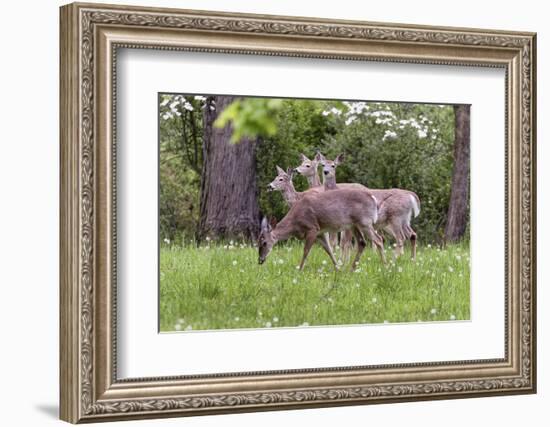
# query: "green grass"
{"type": "Point", "coordinates": [223, 287]}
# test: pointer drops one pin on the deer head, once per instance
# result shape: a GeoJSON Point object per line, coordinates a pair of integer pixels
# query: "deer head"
{"type": "Point", "coordinates": [307, 168]}
{"type": "Point", "coordinates": [329, 166]}
{"type": "Point", "coordinates": [282, 181]}
{"type": "Point", "coordinates": [266, 239]}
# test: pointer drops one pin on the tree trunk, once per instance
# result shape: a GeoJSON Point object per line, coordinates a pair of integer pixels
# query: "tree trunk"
{"type": "Point", "coordinates": [229, 203]}
{"type": "Point", "coordinates": [458, 214]}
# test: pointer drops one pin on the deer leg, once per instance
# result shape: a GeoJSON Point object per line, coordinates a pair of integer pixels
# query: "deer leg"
{"type": "Point", "coordinates": [377, 240]}
{"type": "Point", "coordinates": [310, 240]}
{"type": "Point", "coordinates": [361, 244]}
{"type": "Point", "coordinates": [345, 244]}
{"type": "Point", "coordinates": [324, 242]}
{"type": "Point", "coordinates": [411, 235]}
{"type": "Point", "coordinates": [397, 231]}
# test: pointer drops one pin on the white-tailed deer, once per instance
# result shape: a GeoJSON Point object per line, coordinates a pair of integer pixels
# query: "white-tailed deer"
{"type": "Point", "coordinates": [314, 214]}
{"type": "Point", "coordinates": [283, 183]}
{"type": "Point", "coordinates": [395, 208]}
{"type": "Point", "coordinates": [308, 169]}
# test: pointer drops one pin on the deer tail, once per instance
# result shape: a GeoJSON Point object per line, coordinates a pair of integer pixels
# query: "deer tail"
{"type": "Point", "coordinates": [415, 203]}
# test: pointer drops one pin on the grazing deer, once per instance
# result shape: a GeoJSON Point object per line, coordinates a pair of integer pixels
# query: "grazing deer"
{"type": "Point", "coordinates": [283, 183]}
{"type": "Point", "coordinates": [395, 208]}
{"type": "Point", "coordinates": [312, 215]}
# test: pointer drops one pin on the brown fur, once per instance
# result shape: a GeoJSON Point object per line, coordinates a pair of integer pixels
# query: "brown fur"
{"type": "Point", "coordinates": [316, 213]}
{"type": "Point", "coordinates": [395, 208]}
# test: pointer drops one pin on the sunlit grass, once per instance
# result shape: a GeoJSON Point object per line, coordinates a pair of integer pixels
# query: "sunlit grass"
{"type": "Point", "coordinates": [223, 287]}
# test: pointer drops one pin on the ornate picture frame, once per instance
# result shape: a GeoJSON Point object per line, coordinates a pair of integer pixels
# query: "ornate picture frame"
{"type": "Point", "coordinates": [90, 37]}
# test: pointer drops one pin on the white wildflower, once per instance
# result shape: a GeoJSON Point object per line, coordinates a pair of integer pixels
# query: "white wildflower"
{"type": "Point", "coordinates": [167, 241]}
{"type": "Point", "coordinates": [433, 311]}
{"type": "Point", "coordinates": [295, 281]}
{"type": "Point", "coordinates": [275, 319]}
{"type": "Point", "coordinates": [453, 317]}
{"type": "Point", "coordinates": [280, 261]}
{"type": "Point", "coordinates": [451, 269]}
{"type": "Point", "coordinates": [374, 300]}
{"type": "Point", "coordinates": [234, 262]}
{"type": "Point", "coordinates": [237, 319]}
{"type": "Point", "coordinates": [177, 327]}
{"type": "Point", "coordinates": [268, 324]}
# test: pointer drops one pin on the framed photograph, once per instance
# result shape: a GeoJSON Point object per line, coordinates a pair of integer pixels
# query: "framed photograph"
{"type": "Point", "coordinates": [267, 212]}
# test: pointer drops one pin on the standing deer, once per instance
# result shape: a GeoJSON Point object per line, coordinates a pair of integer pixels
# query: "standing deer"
{"type": "Point", "coordinates": [312, 215]}
{"type": "Point", "coordinates": [395, 207]}
{"type": "Point", "coordinates": [283, 183]}
{"type": "Point", "coordinates": [308, 169]}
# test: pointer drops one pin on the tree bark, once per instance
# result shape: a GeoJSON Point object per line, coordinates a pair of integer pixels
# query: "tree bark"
{"type": "Point", "coordinates": [229, 200]}
{"type": "Point", "coordinates": [458, 214]}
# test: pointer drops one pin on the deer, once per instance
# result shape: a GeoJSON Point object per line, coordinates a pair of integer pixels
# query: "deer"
{"type": "Point", "coordinates": [283, 183]}
{"type": "Point", "coordinates": [395, 207]}
{"type": "Point", "coordinates": [314, 214]}
{"type": "Point", "coordinates": [308, 169]}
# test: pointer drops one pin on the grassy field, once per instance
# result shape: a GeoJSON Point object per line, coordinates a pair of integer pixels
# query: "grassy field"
{"type": "Point", "coordinates": [223, 287]}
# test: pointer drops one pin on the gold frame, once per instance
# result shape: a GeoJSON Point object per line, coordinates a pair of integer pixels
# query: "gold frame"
{"type": "Point", "coordinates": [90, 36]}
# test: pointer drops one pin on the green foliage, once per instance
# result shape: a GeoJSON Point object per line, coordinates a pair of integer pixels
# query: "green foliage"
{"type": "Point", "coordinates": [180, 165]}
{"type": "Point", "coordinates": [434, 288]}
{"type": "Point", "coordinates": [389, 145]}
{"type": "Point", "coordinates": [385, 145]}
{"type": "Point", "coordinates": [300, 129]}
{"type": "Point", "coordinates": [250, 117]}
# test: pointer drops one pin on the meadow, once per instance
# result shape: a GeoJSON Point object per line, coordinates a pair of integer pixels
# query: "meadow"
{"type": "Point", "coordinates": [221, 286]}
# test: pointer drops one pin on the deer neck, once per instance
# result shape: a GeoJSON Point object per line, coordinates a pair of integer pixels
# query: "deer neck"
{"type": "Point", "coordinates": [290, 194]}
{"type": "Point", "coordinates": [313, 180]}
{"type": "Point", "coordinates": [329, 182]}
{"type": "Point", "coordinates": [284, 229]}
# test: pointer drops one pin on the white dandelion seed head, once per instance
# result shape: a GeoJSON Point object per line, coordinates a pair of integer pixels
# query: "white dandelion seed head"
{"type": "Point", "coordinates": [294, 281]}
{"type": "Point", "coordinates": [453, 317]}
{"type": "Point", "coordinates": [280, 261]}
{"type": "Point", "coordinates": [433, 311]}
{"type": "Point", "coordinates": [167, 241]}
{"type": "Point", "coordinates": [275, 319]}
{"type": "Point", "coordinates": [374, 300]}
{"type": "Point", "coordinates": [234, 262]}
{"type": "Point", "coordinates": [268, 324]}
{"type": "Point", "coordinates": [177, 327]}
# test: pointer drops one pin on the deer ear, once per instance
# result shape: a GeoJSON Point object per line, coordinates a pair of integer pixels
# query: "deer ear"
{"type": "Point", "coordinates": [319, 157]}
{"type": "Point", "coordinates": [280, 170]}
{"type": "Point", "coordinates": [264, 225]}
{"type": "Point", "coordinates": [303, 158]}
{"type": "Point", "coordinates": [339, 158]}
{"type": "Point", "coordinates": [290, 172]}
